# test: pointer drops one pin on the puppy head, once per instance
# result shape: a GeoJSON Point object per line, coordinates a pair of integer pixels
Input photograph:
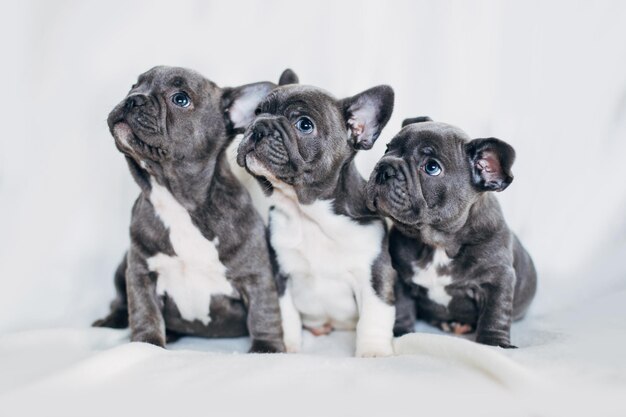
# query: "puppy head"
{"type": "Point", "coordinates": [302, 136]}
{"type": "Point", "coordinates": [433, 172]}
{"type": "Point", "coordinates": [175, 114]}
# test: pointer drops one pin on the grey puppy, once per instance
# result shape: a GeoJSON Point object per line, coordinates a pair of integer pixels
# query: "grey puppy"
{"type": "Point", "coordinates": [460, 266]}
{"type": "Point", "coordinates": [331, 251]}
{"type": "Point", "coordinates": [198, 262]}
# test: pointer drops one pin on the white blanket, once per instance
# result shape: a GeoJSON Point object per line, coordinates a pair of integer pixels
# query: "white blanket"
{"type": "Point", "coordinates": [568, 363]}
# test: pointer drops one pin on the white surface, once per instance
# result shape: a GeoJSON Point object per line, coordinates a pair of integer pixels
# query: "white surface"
{"type": "Point", "coordinates": [568, 363]}
{"type": "Point", "coordinates": [547, 77]}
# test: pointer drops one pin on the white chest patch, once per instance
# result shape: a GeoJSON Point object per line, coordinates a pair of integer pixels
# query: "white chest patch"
{"type": "Point", "coordinates": [195, 273]}
{"type": "Point", "coordinates": [429, 278]}
{"type": "Point", "coordinates": [327, 256]}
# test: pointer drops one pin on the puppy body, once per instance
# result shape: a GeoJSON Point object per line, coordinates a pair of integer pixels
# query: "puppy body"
{"type": "Point", "coordinates": [198, 262]}
{"type": "Point", "coordinates": [330, 249]}
{"type": "Point", "coordinates": [329, 259]}
{"type": "Point", "coordinates": [460, 266]}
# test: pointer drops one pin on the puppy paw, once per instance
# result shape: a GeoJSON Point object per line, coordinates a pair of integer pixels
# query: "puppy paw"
{"type": "Point", "coordinates": [461, 328]}
{"type": "Point", "coordinates": [293, 344]}
{"type": "Point", "coordinates": [456, 327]}
{"type": "Point", "coordinates": [293, 347]}
{"type": "Point", "coordinates": [509, 346]}
{"type": "Point", "coordinates": [149, 337]}
{"type": "Point", "coordinates": [171, 336]}
{"type": "Point", "coordinates": [495, 340]}
{"type": "Point", "coordinates": [374, 350]}
{"type": "Point", "coordinates": [117, 319]}
{"type": "Point", "coordinates": [267, 346]}
{"type": "Point", "coordinates": [402, 330]}
{"type": "Point", "coordinates": [320, 331]}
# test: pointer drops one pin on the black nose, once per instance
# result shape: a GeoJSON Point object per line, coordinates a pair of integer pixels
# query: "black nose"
{"type": "Point", "coordinates": [260, 131]}
{"type": "Point", "coordinates": [135, 100]}
{"type": "Point", "coordinates": [385, 172]}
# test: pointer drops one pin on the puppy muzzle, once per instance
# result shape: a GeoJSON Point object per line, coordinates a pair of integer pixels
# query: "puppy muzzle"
{"type": "Point", "coordinates": [388, 188]}
{"type": "Point", "coordinates": [135, 127]}
{"type": "Point", "coordinates": [142, 112]}
{"type": "Point", "coordinates": [270, 140]}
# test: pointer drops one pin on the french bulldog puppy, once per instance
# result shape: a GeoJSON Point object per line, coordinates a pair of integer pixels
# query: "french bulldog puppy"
{"type": "Point", "coordinates": [198, 262]}
{"type": "Point", "coordinates": [460, 266]}
{"type": "Point", "coordinates": [331, 251]}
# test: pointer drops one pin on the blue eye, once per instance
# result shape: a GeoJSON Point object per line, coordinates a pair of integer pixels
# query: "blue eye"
{"type": "Point", "coordinates": [432, 168]}
{"type": "Point", "coordinates": [181, 99]}
{"type": "Point", "coordinates": [305, 125]}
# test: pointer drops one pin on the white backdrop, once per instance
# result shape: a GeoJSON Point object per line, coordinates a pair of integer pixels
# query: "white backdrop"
{"type": "Point", "coordinates": [548, 77]}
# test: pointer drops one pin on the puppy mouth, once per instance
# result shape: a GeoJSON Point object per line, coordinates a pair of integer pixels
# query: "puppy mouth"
{"type": "Point", "coordinates": [129, 142]}
{"type": "Point", "coordinates": [257, 168]}
{"type": "Point", "coordinates": [270, 140]}
{"type": "Point", "coordinates": [383, 201]}
{"type": "Point", "coordinates": [264, 173]}
{"type": "Point", "coordinates": [266, 159]}
{"type": "Point", "coordinates": [407, 219]}
{"type": "Point", "coordinates": [412, 225]}
{"type": "Point", "coordinates": [259, 171]}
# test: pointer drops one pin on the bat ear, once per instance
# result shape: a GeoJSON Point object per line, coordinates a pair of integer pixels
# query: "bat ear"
{"type": "Point", "coordinates": [240, 103]}
{"type": "Point", "coordinates": [419, 119]}
{"type": "Point", "coordinates": [366, 114]}
{"type": "Point", "coordinates": [490, 163]}
{"type": "Point", "coordinates": [288, 77]}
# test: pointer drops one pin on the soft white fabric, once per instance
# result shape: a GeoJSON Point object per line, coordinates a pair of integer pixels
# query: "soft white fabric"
{"type": "Point", "coordinates": [568, 363]}
{"type": "Point", "coordinates": [547, 77]}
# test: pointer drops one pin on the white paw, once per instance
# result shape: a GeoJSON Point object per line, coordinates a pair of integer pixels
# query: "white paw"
{"type": "Point", "coordinates": [293, 345]}
{"type": "Point", "coordinates": [292, 324]}
{"type": "Point", "coordinates": [374, 350]}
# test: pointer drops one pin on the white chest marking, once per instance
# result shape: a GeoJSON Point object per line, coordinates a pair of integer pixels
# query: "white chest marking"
{"type": "Point", "coordinates": [327, 257]}
{"type": "Point", "coordinates": [429, 278]}
{"type": "Point", "coordinates": [195, 273]}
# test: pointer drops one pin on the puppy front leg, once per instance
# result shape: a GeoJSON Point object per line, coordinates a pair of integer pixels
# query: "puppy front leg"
{"type": "Point", "coordinates": [494, 321]}
{"type": "Point", "coordinates": [144, 311]}
{"type": "Point", "coordinates": [406, 313]}
{"type": "Point", "coordinates": [374, 331]}
{"type": "Point", "coordinates": [264, 316]}
{"type": "Point", "coordinates": [292, 323]}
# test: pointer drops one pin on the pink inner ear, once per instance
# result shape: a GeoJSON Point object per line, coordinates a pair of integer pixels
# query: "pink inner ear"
{"type": "Point", "coordinates": [489, 165]}
{"type": "Point", "coordinates": [356, 127]}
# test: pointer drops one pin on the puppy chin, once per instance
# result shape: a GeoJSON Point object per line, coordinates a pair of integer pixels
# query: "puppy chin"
{"type": "Point", "coordinates": [131, 145]}
{"type": "Point", "coordinates": [372, 195]}
{"type": "Point", "coordinates": [260, 173]}
{"type": "Point", "coordinates": [370, 200]}
{"type": "Point", "coordinates": [407, 220]}
{"type": "Point", "coordinates": [408, 226]}
{"type": "Point", "coordinates": [123, 135]}
{"type": "Point", "coordinates": [375, 199]}
{"type": "Point", "coordinates": [255, 166]}
{"type": "Point", "coordinates": [259, 169]}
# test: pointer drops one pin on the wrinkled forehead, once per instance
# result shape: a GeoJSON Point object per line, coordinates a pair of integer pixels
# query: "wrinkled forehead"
{"type": "Point", "coordinates": [300, 100]}
{"type": "Point", "coordinates": [174, 77]}
{"type": "Point", "coordinates": [429, 138]}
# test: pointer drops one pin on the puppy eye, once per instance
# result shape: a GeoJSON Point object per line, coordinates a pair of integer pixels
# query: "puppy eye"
{"type": "Point", "coordinates": [181, 99]}
{"type": "Point", "coordinates": [305, 125]}
{"type": "Point", "coordinates": [432, 168]}
{"type": "Point", "coordinates": [257, 111]}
